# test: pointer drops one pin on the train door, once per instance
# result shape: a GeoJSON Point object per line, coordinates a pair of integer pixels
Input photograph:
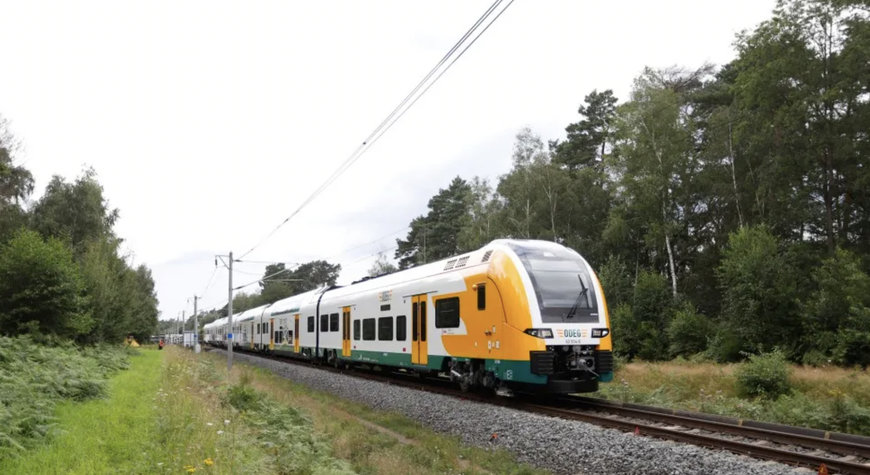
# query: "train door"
{"type": "Point", "coordinates": [419, 347]}
{"type": "Point", "coordinates": [296, 333]}
{"type": "Point", "coordinates": [271, 334]}
{"type": "Point", "coordinates": [345, 335]}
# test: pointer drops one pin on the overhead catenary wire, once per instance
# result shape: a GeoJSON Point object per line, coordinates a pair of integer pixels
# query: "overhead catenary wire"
{"type": "Point", "coordinates": [416, 93]}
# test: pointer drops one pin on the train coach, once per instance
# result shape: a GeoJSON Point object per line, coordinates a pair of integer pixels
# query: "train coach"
{"type": "Point", "coordinates": [516, 314]}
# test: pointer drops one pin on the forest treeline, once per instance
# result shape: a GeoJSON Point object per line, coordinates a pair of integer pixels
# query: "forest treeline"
{"type": "Point", "coordinates": [62, 270]}
{"type": "Point", "coordinates": [727, 210]}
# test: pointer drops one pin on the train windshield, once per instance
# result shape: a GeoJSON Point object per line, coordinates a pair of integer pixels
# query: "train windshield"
{"type": "Point", "coordinates": [562, 284]}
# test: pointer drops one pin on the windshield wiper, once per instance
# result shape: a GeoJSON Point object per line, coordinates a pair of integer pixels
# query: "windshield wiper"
{"type": "Point", "coordinates": [582, 293]}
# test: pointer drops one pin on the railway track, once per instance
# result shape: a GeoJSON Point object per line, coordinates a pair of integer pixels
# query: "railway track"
{"type": "Point", "coordinates": [799, 446]}
{"type": "Point", "coordinates": [811, 448]}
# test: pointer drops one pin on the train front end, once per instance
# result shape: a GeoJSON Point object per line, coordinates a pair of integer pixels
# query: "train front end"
{"type": "Point", "coordinates": [555, 299]}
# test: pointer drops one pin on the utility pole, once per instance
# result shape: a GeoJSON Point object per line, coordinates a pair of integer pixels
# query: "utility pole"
{"type": "Point", "coordinates": [230, 314]}
{"type": "Point", "coordinates": [229, 265]}
{"type": "Point", "coordinates": [195, 327]}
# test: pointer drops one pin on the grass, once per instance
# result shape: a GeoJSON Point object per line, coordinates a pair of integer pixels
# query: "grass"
{"type": "Point", "coordinates": [34, 378]}
{"type": "Point", "coordinates": [175, 412]}
{"type": "Point", "coordinates": [378, 442]}
{"type": "Point", "coordinates": [830, 398]}
{"type": "Point", "coordinates": [101, 435]}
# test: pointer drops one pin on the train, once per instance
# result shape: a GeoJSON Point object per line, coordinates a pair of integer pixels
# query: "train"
{"type": "Point", "coordinates": [524, 315]}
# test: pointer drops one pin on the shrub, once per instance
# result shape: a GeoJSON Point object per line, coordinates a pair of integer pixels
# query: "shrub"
{"type": "Point", "coordinates": [725, 346]}
{"type": "Point", "coordinates": [41, 289]}
{"type": "Point", "coordinates": [688, 332]}
{"type": "Point", "coordinates": [765, 375]}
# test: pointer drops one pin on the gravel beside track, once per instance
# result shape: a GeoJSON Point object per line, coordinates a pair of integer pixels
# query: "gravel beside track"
{"type": "Point", "coordinates": [555, 444]}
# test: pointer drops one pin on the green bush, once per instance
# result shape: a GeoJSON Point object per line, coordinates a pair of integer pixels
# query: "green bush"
{"type": "Point", "coordinates": [725, 346]}
{"type": "Point", "coordinates": [688, 332]}
{"type": "Point", "coordinates": [41, 288]}
{"type": "Point", "coordinates": [853, 348]}
{"type": "Point", "coordinates": [765, 375]}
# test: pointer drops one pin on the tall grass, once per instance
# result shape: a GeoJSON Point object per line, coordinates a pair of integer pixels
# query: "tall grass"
{"type": "Point", "coordinates": [830, 398]}
{"type": "Point", "coordinates": [34, 378]}
{"type": "Point", "coordinates": [109, 435]}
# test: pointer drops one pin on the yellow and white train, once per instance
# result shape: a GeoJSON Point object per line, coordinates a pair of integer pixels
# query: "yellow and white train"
{"type": "Point", "coordinates": [515, 314]}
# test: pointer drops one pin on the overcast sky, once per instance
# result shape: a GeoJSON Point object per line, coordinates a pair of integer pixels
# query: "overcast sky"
{"type": "Point", "coordinates": [209, 122]}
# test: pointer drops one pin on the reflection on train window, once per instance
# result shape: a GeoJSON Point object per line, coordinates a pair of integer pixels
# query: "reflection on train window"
{"type": "Point", "coordinates": [324, 323]}
{"type": "Point", "coordinates": [447, 313]}
{"type": "Point", "coordinates": [401, 328]}
{"type": "Point", "coordinates": [385, 328]}
{"type": "Point", "coordinates": [356, 329]}
{"type": "Point", "coordinates": [369, 329]}
{"type": "Point", "coordinates": [333, 322]}
{"type": "Point", "coordinates": [310, 324]}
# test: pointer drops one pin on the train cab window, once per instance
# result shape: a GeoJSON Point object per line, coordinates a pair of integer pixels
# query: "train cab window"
{"type": "Point", "coordinates": [333, 322]}
{"type": "Point", "coordinates": [310, 324]}
{"type": "Point", "coordinates": [401, 328]}
{"type": "Point", "coordinates": [368, 329]}
{"type": "Point", "coordinates": [356, 329]}
{"type": "Point", "coordinates": [324, 323]}
{"type": "Point", "coordinates": [385, 328]}
{"type": "Point", "coordinates": [481, 297]}
{"type": "Point", "coordinates": [447, 313]}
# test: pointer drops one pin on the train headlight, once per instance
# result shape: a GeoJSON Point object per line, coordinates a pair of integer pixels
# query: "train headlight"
{"type": "Point", "coordinates": [540, 332]}
{"type": "Point", "coordinates": [600, 332]}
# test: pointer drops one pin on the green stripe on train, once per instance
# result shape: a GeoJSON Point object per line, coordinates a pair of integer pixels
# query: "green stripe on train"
{"type": "Point", "coordinates": [506, 370]}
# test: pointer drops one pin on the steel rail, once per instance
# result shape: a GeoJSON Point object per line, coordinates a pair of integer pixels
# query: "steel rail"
{"type": "Point", "coordinates": [846, 444]}
{"type": "Point", "coordinates": [750, 449]}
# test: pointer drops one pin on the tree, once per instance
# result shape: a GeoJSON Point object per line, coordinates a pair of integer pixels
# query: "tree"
{"type": "Point", "coordinates": [41, 289]}
{"type": "Point", "coordinates": [436, 235]}
{"type": "Point", "coordinates": [76, 212]}
{"type": "Point", "coordinates": [381, 266]}
{"type": "Point", "coordinates": [838, 311]}
{"type": "Point", "coordinates": [759, 291]}
{"type": "Point", "coordinates": [800, 82]}
{"type": "Point", "coordinates": [587, 139]}
{"type": "Point", "coordinates": [275, 284]}
{"type": "Point", "coordinates": [16, 184]}
{"type": "Point", "coordinates": [312, 275]}
{"type": "Point", "coordinates": [655, 157]}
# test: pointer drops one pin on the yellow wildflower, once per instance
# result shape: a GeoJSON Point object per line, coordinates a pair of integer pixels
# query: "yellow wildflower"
{"type": "Point", "coordinates": [208, 462]}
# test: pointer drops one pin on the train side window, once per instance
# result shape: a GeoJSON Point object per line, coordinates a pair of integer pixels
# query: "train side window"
{"type": "Point", "coordinates": [310, 324]}
{"type": "Point", "coordinates": [447, 313]}
{"type": "Point", "coordinates": [356, 329]}
{"type": "Point", "coordinates": [324, 323]}
{"type": "Point", "coordinates": [481, 297]}
{"type": "Point", "coordinates": [278, 337]}
{"type": "Point", "coordinates": [401, 328]}
{"type": "Point", "coordinates": [368, 329]}
{"type": "Point", "coordinates": [385, 328]}
{"type": "Point", "coordinates": [333, 322]}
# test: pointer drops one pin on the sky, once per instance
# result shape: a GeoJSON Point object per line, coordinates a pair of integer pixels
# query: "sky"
{"type": "Point", "coordinates": [210, 122]}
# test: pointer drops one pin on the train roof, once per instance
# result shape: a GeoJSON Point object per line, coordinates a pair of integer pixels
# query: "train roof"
{"type": "Point", "coordinates": [250, 314]}
{"type": "Point", "coordinates": [293, 303]}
